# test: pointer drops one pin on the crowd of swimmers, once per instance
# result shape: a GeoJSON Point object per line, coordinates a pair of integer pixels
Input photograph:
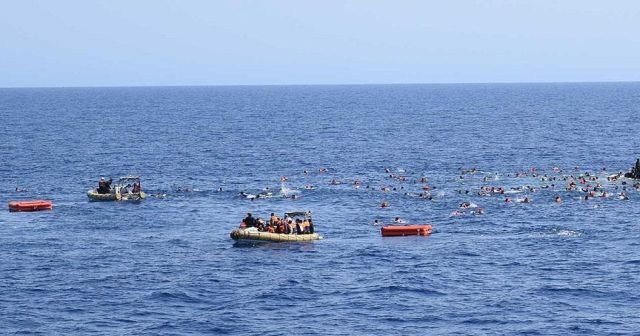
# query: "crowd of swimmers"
{"type": "Point", "coordinates": [284, 225]}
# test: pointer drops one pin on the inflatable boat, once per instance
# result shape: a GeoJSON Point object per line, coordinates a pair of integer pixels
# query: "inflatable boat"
{"type": "Point", "coordinates": [122, 191]}
{"type": "Point", "coordinates": [406, 230]}
{"type": "Point", "coordinates": [251, 234]}
{"type": "Point", "coordinates": [33, 205]}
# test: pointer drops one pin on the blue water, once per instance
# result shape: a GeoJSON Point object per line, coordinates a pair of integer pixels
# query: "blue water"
{"type": "Point", "coordinates": [167, 265]}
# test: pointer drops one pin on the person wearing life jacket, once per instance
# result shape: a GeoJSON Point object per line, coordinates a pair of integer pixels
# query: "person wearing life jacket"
{"type": "Point", "coordinates": [281, 226]}
{"type": "Point", "coordinates": [271, 228]}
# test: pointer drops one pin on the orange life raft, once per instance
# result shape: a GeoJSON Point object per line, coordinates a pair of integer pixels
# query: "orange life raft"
{"type": "Point", "coordinates": [34, 205]}
{"type": "Point", "coordinates": [406, 230]}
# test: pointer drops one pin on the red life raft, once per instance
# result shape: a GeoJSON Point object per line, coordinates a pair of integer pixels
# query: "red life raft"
{"type": "Point", "coordinates": [33, 205]}
{"type": "Point", "coordinates": [406, 230]}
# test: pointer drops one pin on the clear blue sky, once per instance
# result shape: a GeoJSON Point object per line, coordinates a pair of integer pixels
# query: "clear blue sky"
{"type": "Point", "coordinates": [127, 43]}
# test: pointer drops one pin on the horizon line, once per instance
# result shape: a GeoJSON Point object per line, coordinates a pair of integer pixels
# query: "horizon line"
{"type": "Point", "coordinates": [319, 84]}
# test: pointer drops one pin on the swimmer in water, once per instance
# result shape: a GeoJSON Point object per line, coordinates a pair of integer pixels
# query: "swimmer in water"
{"type": "Point", "coordinates": [557, 199]}
{"type": "Point", "coordinates": [458, 213]}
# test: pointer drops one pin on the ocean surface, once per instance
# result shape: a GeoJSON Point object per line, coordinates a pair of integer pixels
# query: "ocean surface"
{"type": "Point", "coordinates": [167, 266]}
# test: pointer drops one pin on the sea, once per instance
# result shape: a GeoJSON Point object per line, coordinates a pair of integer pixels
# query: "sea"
{"type": "Point", "coordinates": [167, 265]}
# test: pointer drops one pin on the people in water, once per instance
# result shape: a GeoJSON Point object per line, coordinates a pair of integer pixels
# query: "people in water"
{"type": "Point", "coordinates": [104, 186]}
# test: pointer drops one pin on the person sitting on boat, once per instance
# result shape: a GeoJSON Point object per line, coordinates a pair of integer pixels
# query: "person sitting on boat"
{"type": "Point", "coordinates": [104, 186]}
{"type": "Point", "coordinates": [249, 221]}
{"type": "Point", "coordinates": [125, 189]}
{"type": "Point", "coordinates": [260, 224]}
{"type": "Point", "coordinates": [291, 227]}
{"type": "Point", "coordinates": [309, 228]}
{"type": "Point", "coordinates": [306, 226]}
{"type": "Point", "coordinates": [281, 227]}
{"type": "Point", "coordinates": [271, 228]}
{"type": "Point", "coordinates": [299, 226]}
{"type": "Point", "coordinates": [136, 188]}
{"type": "Point", "coordinates": [274, 219]}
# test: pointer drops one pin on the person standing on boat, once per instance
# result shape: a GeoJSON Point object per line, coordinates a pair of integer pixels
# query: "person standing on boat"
{"type": "Point", "coordinates": [249, 221]}
{"type": "Point", "coordinates": [104, 186]}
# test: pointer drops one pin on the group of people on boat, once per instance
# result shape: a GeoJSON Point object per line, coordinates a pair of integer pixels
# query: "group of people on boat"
{"type": "Point", "coordinates": [285, 225]}
{"type": "Point", "coordinates": [104, 187]}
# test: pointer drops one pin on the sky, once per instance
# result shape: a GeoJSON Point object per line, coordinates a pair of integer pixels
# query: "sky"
{"type": "Point", "coordinates": [145, 43]}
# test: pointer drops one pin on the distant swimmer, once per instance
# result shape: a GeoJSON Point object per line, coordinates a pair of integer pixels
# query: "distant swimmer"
{"type": "Point", "coordinates": [623, 196]}
{"type": "Point", "coordinates": [458, 213]}
{"type": "Point", "coordinates": [399, 220]}
{"type": "Point", "coordinates": [384, 204]}
{"type": "Point", "coordinates": [557, 199]}
{"type": "Point", "coordinates": [248, 196]}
